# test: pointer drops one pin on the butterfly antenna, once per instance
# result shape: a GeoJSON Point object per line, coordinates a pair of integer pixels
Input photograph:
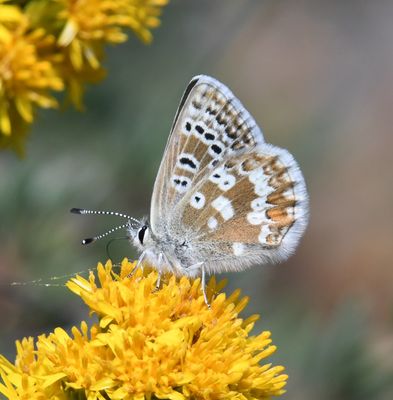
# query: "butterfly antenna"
{"type": "Point", "coordinates": [83, 211]}
{"type": "Point", "coordinates": [95, 238]}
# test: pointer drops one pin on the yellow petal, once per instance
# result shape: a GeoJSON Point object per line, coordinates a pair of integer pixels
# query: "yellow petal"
{"type": "Point", "coordinates": [76, 54]}
{"type": "Point", "coordinates": [10, 14]}
{"type": "Point", "coordinates": [51, 379]}
{"type": "Point", "coordinates": [23, 105]}
{"type": "Point", "coordinates": [5, 123]}
{"type": "Point", "coordinates": [68, 33]}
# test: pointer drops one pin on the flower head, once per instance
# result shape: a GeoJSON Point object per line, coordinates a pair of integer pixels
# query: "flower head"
{"type": "Point", "coordinates": [89, 25]}
{"type": "Point", "coordinates": [27, 74]}
{"type": "Point", "coordinates": [147, 344]}
{"type": "Point", "coordinates": [48, 46]}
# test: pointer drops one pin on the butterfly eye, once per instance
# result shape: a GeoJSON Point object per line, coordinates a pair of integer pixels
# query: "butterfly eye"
{"type": "Point", "coordinates": [141, 233]}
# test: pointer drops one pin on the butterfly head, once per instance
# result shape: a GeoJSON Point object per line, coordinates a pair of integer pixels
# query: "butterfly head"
{"type": "Point", "coordinates": [140, 233]}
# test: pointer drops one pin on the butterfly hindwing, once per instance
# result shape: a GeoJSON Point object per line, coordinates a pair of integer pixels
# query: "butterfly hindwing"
{"type": "Point", "coordinates": [210, 125]}
{"type": "Point", "coordinates": [250, 208]}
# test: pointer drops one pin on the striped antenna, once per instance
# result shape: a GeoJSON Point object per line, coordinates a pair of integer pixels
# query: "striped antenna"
{"type": "Point", "coordinates": [82, 211]}
{"type": "Point", "coordinates": [93, 239]}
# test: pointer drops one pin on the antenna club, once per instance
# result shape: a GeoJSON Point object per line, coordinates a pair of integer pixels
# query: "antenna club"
{"type": "Point", "coordinates": [77, 211]}
{"type": "Point", "coordinates": [88, 241]}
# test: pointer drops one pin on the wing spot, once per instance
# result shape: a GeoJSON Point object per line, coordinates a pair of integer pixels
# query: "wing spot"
{"type": "Point", "coordinates": [224, 206]}
{"type": "Point", "coordinates": [238, 146]}
{"type": "Point", "coordinates": [256, 217]}
{"type": "Point", "coordinates": [197, 105]}
{"type": "Point", "coordinates": [209, 136]}
{"type": "Point", "coordinates": [180, 183]}
{"type": "Point", "coordinates": [221, 119]}
{"type": "Point", "coordinates": [217, 149]}
{"type": "Point", "coordinates": [230, 165]}
{"type": "Point", "coordinates": [238, 249]}
{"type": "Point", "coordinates": [188, 162]}
{"type": "Point", "coordinates": [227, 182]}
{"type": "Point", "coordinates": [212, 223]}
{"type": "Point", "coordinates": [263, 234]}
{"type": "Point", "coordinates": [198, 200]}
{"type": "Point", "coordinates": [258, 204]}
{"type": "Point", "coordinates": [211, 111]}
{"type": "Point", "coordinates": [214, 163]}
{"type": "Point", "coordinates": [199, 129]}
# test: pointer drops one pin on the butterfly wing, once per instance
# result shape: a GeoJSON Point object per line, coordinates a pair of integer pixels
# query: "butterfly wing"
{"type": "Point", "coordinates": [251, 208]}
{"type": "Point", "coordinates": [210, 124]}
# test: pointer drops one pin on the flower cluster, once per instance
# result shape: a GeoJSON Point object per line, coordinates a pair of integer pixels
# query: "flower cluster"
{"type": "Point", "coordinates": [49, 46]}
{"type": "Point", "coordinates": [147, 344]}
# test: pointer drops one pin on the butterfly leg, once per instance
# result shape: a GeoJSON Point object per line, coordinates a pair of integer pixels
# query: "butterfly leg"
{"type": "Point", "coordinates": [203, 280]}
{"type": "Point", "coordinates": [138, 264]}
{"type": "Point", "coordinates": [158, 283]}
{"type": "Point", "coordinates": [204, 286]}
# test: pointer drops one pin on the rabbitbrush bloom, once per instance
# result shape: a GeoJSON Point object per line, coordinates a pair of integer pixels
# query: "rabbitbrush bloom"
{"type": "Point", "coordinates": [147, 344]}
{"type": "Point", "coordinates": [27, 75]}
{"type": "Point", "coordinates": [58, 45]}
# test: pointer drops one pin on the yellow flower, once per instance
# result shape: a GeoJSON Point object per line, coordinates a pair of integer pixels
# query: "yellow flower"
{"type": "Point", "coordinates": [90, 24]}
{"type": "Point", "coordinates": [147, 344]}
{"type": "Point", "coordinates": [50, 45]}
{"type": "Point", "coordinates": [27, 75]}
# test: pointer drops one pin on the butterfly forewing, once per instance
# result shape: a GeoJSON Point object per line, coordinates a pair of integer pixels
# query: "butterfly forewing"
{"type": "Point", "coordinates": [210, 125]}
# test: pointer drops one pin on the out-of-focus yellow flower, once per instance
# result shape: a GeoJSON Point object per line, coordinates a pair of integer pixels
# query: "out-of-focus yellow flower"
{"type": "Point", "coordinates": [52, 45]}
{"type": "Point", "coordinates": [27, 74]}
{"type": "Point", "coordinates": [147, 344]}
{"type": "Point", "coordinates": [90, 24]}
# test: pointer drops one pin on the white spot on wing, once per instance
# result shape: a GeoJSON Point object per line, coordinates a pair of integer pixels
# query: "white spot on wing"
{"type": "Point", "coordinates": [256, 175]}
{"type": "Point", "coordinates": [212, 223]}
{"type": "Point", "coordinates": [224, 207]}
{"type": "Point", "coordinates": [264, 232]}
{"type": "Point", "coordinates": [221, 178]}
{"type": "Point", "coordinates": [180, 183]}
{"type": "Point", "coordinates": [261, 188]}
{"type": "Point", "coordinates": [227, 182]}
{"type": "Point", "coordinates": [198, 200]}
{"type": "Point", "coordinates": [256, 217]}
{"type": "Point", "coordinates": [258, 204]}
{"type": "Point", "coordinates": [238, 249]}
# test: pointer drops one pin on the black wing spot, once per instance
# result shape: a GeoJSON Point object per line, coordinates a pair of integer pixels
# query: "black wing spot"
{"type": "Point", "coordinates": [187, 161]}
{"type": "Point", "coordinates": [184, 183]}
{"type": "Point", "coordinates": [197, 105]}
{"type": "Point", "coordinates": [199, 129]}
{"type": "Point", "coordinates": [214, 163]}
{"type": "Point", "coordinates": [209, 136]}
{"type": "Point", "coordinates": [177, 181]}
{"type": "Point", "coordinates": [188, 126]}
{"type": "Point", "coordinates": [221, 119]}
{"type": "Point", "coordinates": [216, 176]}
{"type": "Point", "coordinates": [231, 132]}
{"type": "Point", "coordinates": [216, 149]}
{"type": "Point", "coordinates": [211, 111]}
{"type": "Point", "coordinates": [197, 199]}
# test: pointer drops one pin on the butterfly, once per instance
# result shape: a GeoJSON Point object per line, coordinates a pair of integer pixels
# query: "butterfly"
{"type": "Point", "coordinates": [223, 198]}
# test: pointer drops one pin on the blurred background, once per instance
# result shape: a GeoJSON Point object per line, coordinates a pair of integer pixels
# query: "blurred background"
{"type": "Point", "coordinates": [318, 77]}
